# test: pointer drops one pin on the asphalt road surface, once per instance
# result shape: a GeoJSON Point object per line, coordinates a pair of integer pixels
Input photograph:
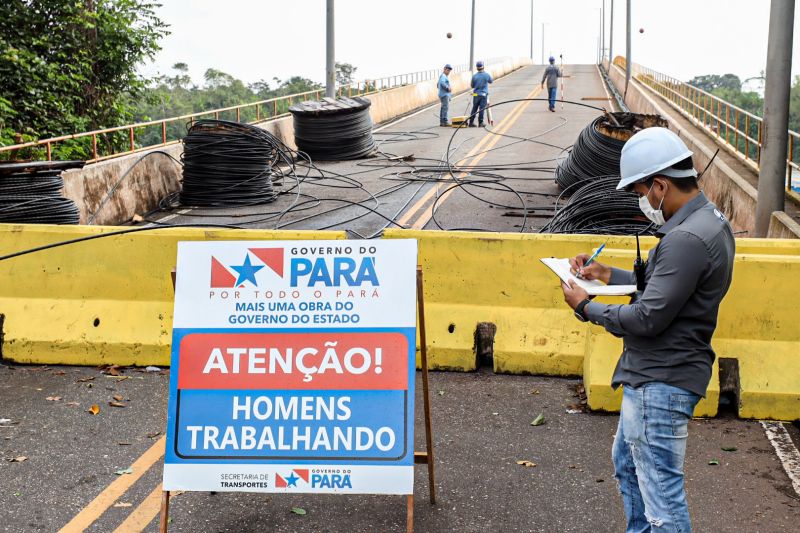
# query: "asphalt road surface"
{"type": "Point", "coordinates": [481, 428]}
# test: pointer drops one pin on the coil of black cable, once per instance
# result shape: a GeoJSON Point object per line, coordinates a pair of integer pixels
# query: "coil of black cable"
{"type": "Point", "coordinates": [228, 164]}
{"type": "Point", "coordinates": [333, 130]}
{"type": "Point", "coordinates": [30, 193]}
{"type": "Point", "coordinates": [593, 154]}
{"type": "Point", "coordinates": [596, 207]}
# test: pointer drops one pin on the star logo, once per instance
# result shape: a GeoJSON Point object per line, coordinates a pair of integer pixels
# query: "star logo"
{"type": "Point", "coordinates": [225, 275]}
{"type": "Point", "coordinates": [247, 271]}
{"type": "Point", "coordinates": [296, 475]}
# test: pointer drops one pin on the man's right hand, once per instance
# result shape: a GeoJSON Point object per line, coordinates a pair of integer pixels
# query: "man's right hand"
{"type": "Point", "coordinates": [595, 270]}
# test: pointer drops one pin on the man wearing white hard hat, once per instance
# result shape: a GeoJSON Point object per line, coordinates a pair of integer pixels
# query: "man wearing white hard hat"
{"type": "Point", "coordinates": [667, 327]}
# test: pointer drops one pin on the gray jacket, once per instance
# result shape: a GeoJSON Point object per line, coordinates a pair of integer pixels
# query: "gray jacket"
{"type": "Point", "coordinates": [667, 328]}
{"type": "Point", "coordinates": [551, 74]}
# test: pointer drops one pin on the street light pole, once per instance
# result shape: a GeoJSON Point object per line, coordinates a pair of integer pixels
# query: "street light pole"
{"type": "Point", "coordinates": [603, 32]}
{"type": "Point", "coordinates": [773, 172]}
{"type": "Point", "coordinates": [531, 31]}
{"type": "Point", "coordinates": [611, 37]}
{"type": "Point", "coordinates": [330, 56]}
{"type": "Point", "coordinates": [627, 48]}
{"type": "Point", "coordinates": [472, 40]}
{"type": "Point", "coordinates": [542, 43]}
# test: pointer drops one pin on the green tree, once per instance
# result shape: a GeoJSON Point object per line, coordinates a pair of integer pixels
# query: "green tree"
{"type": "Point", "coordinates": [711, 82]}
{"type": "Point", "coordinates": [68, 66]}
{"type": "Point", "coordinates": [345, 73]}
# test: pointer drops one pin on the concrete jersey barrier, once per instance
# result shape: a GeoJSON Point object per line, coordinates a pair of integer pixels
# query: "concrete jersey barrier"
{"type": "Point", "coordinates": [103, 301]}
{"type": "Point", "coordinates": [477, 277]}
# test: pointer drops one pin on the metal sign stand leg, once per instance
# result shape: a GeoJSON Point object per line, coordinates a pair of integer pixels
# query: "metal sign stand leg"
{"type": "Point", "coordinates": [425, 457]}
{"type": "Point", "coordinates": [163, 522]}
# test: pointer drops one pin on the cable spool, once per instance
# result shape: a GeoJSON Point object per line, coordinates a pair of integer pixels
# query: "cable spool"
{"type": "Point", "coordinates": [333, 130]}
{"type": "Point", "coordinates": [228, 164]}
{"type": "Point", "coordinates": [596, 207]}
{"type": "Point", "coordinates": [597, 150]}
{"type": "Point", "coordinates": [30, 193]}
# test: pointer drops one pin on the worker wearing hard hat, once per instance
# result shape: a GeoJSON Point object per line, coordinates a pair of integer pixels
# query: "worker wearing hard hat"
{"type": "Point", "coordinates": [666, 360]}
{"type": "Point", "coordinates": [445, 92]}
{"type": "Point", "coordinates": [551, 75]}
{"type": "Point", "coordinates": [480, 94]}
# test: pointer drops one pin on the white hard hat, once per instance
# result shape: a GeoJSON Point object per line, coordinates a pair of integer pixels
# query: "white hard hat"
{"type": "Point", "coordinates": [653, 151]}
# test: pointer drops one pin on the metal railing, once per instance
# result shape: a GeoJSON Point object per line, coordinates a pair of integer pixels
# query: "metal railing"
{"type": "Point", "coordinates": [118, 141]}
{"type": "Point", "coordinates": [733, 127]}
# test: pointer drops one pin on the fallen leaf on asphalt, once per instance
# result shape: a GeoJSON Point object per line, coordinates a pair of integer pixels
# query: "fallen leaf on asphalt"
{"type": "Point", "coordinates": [19, 459]}
{"type": "Point", "coordinates": [441, 393]}
{"type": "Point", "coordinates": [153, 435]}
{"type": "Point", "coordinates": [729, 448]}
{"type": "Point", "coordinates": [123, 504]}
{"type": "Point", "coordinates": [124, 471]}
{"type": "Point", "coordinates": [529, 464]}
{"type": "Point", "coordinates": [113, 370]}
{"type": "Point", "coordinates": [299, 510]}
{"type": "Point", "coordinates": [118, 397]}
{"type": "Point", "coordinates": [116, 404]}
{"type": "Point", "coordinates": [60, 373]}
{"type": "Point", "coordinates": [539, 420]}
{"type": "Point", "coordinates": [713, 462]}
{"type": "Point", "coordinates": [84, 380]}
{"type": "Point", "coordinates": [572, 466]}
{"type": "Point", "coordinates": [535, 391]}
{"type": "Point", "coordinates": [94, 409]}
{"type": "Point", "coordinates": [53, 398]}
{"type": "Point", "coordinates": [72, 404]}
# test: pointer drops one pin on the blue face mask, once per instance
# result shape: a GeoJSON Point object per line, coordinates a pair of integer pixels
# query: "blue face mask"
{"type": "Point", "coordinates": [656, 216]}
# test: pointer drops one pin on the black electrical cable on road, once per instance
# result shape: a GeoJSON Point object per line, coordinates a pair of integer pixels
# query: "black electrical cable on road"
{"type": "Point", "coordinates": [597, 207]}
{"type": "Point", "coordinates": [333, 130]}
{"type": "Point", "coordinates": [33, 195]}
{"type": "Point", "coordinates": [229, 164]}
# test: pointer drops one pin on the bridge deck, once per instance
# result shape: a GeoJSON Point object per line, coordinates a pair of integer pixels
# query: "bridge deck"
{"type": "Point", "coordinates": [410, 173]}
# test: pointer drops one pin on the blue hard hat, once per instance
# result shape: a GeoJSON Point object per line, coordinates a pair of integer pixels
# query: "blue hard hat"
{"type": "Point", "coordinates": [552, 59]}
{"type": "Point", "coordinates": [448, 66]}
{"type": "Point", "coordinates": [479, 64]}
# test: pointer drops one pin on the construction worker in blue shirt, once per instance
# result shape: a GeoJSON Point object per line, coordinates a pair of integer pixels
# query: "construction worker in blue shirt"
{"type": "Point", "coordinates": [444, 95]}
{"type": "Point", "coordinates": [480, 94]}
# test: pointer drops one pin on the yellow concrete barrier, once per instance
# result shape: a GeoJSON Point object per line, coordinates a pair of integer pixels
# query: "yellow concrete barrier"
{"type": "Point", "coordinates": [107, 300]}
{"type": "Point", "coordinates": [478, 277]}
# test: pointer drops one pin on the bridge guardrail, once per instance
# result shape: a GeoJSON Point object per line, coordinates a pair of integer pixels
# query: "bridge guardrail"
{"type": "Point", "coordinates": [118, 141]}
{"type": "Point", "coordinates": [736, 128]}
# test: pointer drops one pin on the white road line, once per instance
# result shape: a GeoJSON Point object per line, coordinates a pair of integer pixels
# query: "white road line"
{"type": "Point", "coordinates": [786, 450]}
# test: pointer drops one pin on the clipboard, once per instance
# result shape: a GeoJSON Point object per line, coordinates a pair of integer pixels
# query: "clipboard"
{"type": "Point", "coordinates": [561, 268]}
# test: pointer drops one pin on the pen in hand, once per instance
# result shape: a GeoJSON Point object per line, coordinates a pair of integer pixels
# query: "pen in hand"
{"type": "Point", "coordinates": [589, 261]}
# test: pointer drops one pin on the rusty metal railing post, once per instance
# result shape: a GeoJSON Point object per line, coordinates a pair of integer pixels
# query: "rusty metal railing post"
{"type": "Point", "coordinates": [258, 112]}
{"type": "Point", "coordinates": [49, 152]}
{"type": "Point", "coordinates": [163, 132]}
{"type": "Point", "coordinates": [789, 163]}
{"type": "Point", "coordinates": [94, 146]}
{"type": "Point", "coordinates": [130, 136]}
{"type": "Point", "coordinates": [238, 114]}
{"type": "Point", "coordinates": [747, 136]}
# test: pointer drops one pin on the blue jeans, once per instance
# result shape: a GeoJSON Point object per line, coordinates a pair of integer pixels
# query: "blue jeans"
{"type": "Point", "coordinates": [648, 454]}
{"type": "Point", "coordinates": [478, 102]}
{"type": "Point", "coordinates": [445, 100]}
{"type": "Point", "coordinates": [552, 93]}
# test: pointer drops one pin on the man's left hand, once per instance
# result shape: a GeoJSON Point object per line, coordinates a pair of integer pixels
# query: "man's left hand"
{"type": "Point", "coordinates": [573, 294]}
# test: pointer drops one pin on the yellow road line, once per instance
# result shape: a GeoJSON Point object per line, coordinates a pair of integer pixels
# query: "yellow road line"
{"type": "Point", "coordinates": [111, 494]}
{"type": "Point", "coordinates": [503, 127]}
{"type": "Point", "coordinates": [141, 517]}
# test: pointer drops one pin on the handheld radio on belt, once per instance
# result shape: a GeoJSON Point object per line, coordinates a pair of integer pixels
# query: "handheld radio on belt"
{"type": "Point", "coordinates": [639, 267]}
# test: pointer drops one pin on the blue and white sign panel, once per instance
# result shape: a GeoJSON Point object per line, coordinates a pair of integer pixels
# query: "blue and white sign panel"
{"type": "Point", "coordinates": [293, 367]}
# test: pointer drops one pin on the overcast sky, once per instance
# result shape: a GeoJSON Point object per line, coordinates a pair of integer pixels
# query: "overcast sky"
{"type": "Point", "coordinates": [262, 39]}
